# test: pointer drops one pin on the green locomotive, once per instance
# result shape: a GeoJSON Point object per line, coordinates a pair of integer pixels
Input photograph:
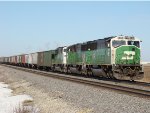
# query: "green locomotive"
{"type": "Point", "coordinates": [113, 57]}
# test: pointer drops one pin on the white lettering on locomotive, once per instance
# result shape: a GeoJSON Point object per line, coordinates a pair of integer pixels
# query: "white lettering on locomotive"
{"type": "Point", "coordinates": [128, 55]}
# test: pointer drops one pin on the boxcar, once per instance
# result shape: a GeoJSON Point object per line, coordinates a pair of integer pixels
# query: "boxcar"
{"type": "Point", "coordinates": [6, 60]}
{"type": "Point", "coordinates": [10, 59]}
{"type": "Point", "coordinates": [22, 60]}
{"type": "Point", "coordinates": [26, 60]}
{"type": "Point", "coordinates": [19, 60]}
{"type": "Point", "coordinates": [33, 60]}
{"type": "Point", "coordinates": [49, 59]}
{"type": "Point", "coordinates": [1, 59]}
{"type": "Point", "coordinates": [14, 58]}
{"type": "Point", "coordinates": [30, 60]}
{"type": "Point", "coordinates": [40, 60]}
{"type": "Point", "coordinates": [46, 59]}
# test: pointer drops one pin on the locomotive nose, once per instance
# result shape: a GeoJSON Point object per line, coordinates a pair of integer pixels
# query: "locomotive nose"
{"type": "Point", "coordinates": [127, 55]}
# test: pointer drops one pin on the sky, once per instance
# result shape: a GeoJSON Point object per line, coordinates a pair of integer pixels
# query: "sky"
{"type": "Point", "coordinates": [27, 27]}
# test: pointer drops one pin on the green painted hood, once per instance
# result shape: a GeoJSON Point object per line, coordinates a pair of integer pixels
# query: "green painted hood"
{"type": "Point", "coordinates": [127, 55]}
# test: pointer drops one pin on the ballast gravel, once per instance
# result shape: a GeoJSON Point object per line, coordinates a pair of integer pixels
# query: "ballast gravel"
{"type": "Point", "coordinates": [61, 96]}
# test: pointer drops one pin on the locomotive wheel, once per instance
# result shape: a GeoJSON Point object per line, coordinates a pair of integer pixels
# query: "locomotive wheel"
{"type": "Point", "coordinates": [65, 70]}
{"type": "Point", "coordinates": [110, 74]}
{"type": "Point", "coordinates": [68, 71]}
{"type": "Point", "coordinates": [90, 73]}
{"type": "Point", "coordinates": [84, 73]}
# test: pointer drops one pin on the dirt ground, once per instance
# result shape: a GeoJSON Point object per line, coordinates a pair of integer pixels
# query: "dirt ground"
{"type": "Point", "coordinates": [42, 100]}
{"type": "Point", "coordinates": [56, 96]}
{"type": "Point", "coordinates": [146, 74]}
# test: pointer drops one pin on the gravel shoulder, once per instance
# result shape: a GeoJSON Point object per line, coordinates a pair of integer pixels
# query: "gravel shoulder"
{"type": "Point", "coordinates": [59, 96]}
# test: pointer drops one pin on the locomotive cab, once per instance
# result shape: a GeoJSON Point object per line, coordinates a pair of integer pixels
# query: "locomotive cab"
{"type": "Point", "coordinates": [126, 56]}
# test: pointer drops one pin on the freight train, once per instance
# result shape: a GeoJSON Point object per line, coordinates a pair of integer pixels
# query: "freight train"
{"type": "Point", "coordinates": [116, 57]}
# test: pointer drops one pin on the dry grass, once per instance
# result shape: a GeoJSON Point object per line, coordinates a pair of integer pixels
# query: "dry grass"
{"type": "Point", "coordinates": [146, 74]}
{"type": "Point", "coordinates": [3, 79]}
{"type": "Point", "coordinates": [26, 109]}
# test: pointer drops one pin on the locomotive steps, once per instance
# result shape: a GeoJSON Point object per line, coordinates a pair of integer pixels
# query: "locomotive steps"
{"type": "Point", "coordinates": [132, 88]}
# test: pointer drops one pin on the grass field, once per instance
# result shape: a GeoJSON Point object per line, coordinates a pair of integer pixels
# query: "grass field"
{"type": "Point", "coordinates": [146, 74]}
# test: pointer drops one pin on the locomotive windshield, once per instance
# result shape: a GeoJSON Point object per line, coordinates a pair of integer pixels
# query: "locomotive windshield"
{"type": "Point", "coordinates": [117, 43]}
{"type": "Point", "coordinates": [136, 43]}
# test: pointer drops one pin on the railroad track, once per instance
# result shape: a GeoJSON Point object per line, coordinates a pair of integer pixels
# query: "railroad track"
{"type": "Point", "coordinates": [125, 87]}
